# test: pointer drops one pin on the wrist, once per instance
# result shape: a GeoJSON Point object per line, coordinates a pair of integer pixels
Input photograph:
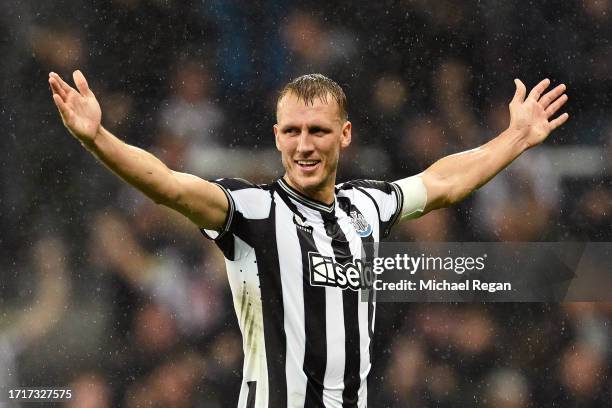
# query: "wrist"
{"type": "Point", "coordinates": [517, 138]}
{"type": "Point", "coordinates": [92, 143]}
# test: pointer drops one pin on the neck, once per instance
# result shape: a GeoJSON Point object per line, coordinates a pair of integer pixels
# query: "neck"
{"type": "Point", "coordinates": [323, 194]}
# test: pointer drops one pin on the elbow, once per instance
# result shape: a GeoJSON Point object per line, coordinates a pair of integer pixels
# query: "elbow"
{"type": "Point", "coordinates": [441, 202]}
{"type": "Point", "coordinates": [167, 199]}
{"type": "Point", "coordinates": [444, 191]}
{"type": "Point", "coordinates": [160, 200]}
{"type": "Point", "coordinates": [167, 195]}
{"type": "Point", "coordinates": [457, 195]}
{"type": "Point", "coordinates": [449, 195]}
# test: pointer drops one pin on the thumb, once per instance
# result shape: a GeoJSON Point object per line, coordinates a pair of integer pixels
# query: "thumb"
{"type": "Point", "coordinates": [521, 91]}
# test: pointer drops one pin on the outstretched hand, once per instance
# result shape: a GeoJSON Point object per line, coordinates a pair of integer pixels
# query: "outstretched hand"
{"type": "Point", "coordinates": [531, 116]}
{"type": "Point", "coordinates": [79, 109]}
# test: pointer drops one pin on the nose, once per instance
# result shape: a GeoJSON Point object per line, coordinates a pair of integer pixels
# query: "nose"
{"type": "Point", "coordinates": [305, 145]}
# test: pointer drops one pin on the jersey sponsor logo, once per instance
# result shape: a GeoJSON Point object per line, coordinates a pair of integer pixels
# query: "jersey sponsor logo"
{"type": "Point", "coordinates": [324, 271]}
{"type": "Point", "coordinates": [360, 224]}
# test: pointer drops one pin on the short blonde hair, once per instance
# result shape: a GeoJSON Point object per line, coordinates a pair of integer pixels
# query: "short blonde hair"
{"type": "Point", "coordinates": [310, 86]}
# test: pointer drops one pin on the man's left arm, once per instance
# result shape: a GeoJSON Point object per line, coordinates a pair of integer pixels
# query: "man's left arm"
{"type": "Point", "coordinates": [452, 178]}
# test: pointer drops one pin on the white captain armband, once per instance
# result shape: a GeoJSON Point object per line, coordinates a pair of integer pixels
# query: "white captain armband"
{"type": "Point", "coordinates": [415, 197]}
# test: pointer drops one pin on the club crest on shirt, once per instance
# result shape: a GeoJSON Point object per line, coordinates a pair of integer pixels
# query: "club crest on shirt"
{"type": "Point", "coordinates": [360, 224]}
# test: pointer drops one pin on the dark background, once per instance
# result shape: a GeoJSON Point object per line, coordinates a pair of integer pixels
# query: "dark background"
{"type": "Point", "coordinates": [125, 302]}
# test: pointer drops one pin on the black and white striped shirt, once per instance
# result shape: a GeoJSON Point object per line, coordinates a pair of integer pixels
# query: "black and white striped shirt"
{"type": "Point", "coordinates": [294, 269]}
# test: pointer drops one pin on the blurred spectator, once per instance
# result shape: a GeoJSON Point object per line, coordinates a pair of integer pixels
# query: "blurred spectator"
{"type": "Point", "coordinates": [598, 13]}
{"type": "Point", "coordinates": [118, 110]}
{"type": "Point", "coordinates": [251, 56]}
{"type": "Point", "coordinates": [190, 115]}
{"type": "Point", "coordinates": [315, 46]}
{"type": "Point", "coordinates": [89, 389]}
{"type": "Point", "coordinates": [194, 300]}
{"type": "Point", "coordinates": [389, 95]}
{"type": "Point", "coordinates": [518, 204]}
{"type": "Point", "coordinates": [590, 325]}
{"type": "Point", "coordinates": [422, 142]}
{"type": "Point", "coordinates": [581, 375]}
{"type": "Point", "coordinates": [452, 83]}
{"type": "Point", "coordinates": [59, 47]}
{"type": "Point", "coordinates": [590, 208]}
{"type": "Point", "coordinates": [386, 111]}
{"type": "Point", "coordinates": [506, 389]}
{"type": "Point", "coordinates": [226, 354]}
{"type": "Point", "coordinates": [154, 330]}
{"type": "Point", "coordinates": [29, 325]}
{"type": "Point", "coordinates": [473, 332]}
{"type": "Point", "coordinates": [172, 384]}
{"type": "Point", "coordinates": [442, 385]}
{"type": "Point", "coordinates": [404, 373]}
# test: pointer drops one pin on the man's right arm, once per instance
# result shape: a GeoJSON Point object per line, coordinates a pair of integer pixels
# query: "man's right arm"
{"type": "Point", "coordinates": [204, 203]}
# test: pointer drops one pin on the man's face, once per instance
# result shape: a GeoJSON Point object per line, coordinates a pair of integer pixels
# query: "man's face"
{"type": "Point", "coordinates": [310, 138]}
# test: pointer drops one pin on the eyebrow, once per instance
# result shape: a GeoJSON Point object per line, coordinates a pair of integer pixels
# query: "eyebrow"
{"type": "Point", "coordinates": [311, 129]}
{"type": "Point", "coordinates": [316, 128]}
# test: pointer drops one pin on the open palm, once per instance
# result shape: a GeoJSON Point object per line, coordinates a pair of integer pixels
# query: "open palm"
{"type": "Point", "coordinates": [80, 110]}
{"type": "Point", "coordinates": [532, 115]}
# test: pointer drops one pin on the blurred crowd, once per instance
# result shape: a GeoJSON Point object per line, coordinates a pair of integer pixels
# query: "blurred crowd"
{"type": "Point", "coordinates": [126, 303]}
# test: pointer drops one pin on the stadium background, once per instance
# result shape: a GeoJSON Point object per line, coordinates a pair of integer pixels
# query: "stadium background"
{"type": "Point", "coordinates": [104, 292]}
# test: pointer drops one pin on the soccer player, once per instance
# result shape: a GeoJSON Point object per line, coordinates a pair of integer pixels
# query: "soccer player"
{"type": "Point", "coordinates": [294, 247]}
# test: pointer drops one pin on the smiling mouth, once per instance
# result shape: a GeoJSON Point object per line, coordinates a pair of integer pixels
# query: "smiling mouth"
{"type": "Point", "coordinates": [307, 164]}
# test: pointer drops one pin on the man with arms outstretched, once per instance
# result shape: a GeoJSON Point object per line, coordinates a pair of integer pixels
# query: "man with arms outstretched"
{"type": "Point", "coordinates": [293, 248]}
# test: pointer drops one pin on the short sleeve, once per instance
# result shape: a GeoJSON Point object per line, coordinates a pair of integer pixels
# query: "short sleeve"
{"type": "Point", "coordinates": [387, 198]}
{"type": "Point", "coordinates": [246, 202]}
{"type": "Point", "coordinates": [227, 185]}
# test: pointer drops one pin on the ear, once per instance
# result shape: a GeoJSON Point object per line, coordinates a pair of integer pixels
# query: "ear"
{"type": "Point", "coordinates": [345, 138]}
{"type": "Point", "coordinates": [276, 137]}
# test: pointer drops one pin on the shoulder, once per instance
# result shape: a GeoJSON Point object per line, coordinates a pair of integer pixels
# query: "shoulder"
{"type": "Point", "coordinates": [383, 186]}
{"type": "Point", "coordinates": [236, 184]}
{"type": "Point", "coordinates": [387, 196]}
{"type": "Point", "coordinates": [251, 200]}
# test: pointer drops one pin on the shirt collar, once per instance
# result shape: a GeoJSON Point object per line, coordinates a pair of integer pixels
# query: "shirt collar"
{"type": "Point", "coordinates": [307, 201]}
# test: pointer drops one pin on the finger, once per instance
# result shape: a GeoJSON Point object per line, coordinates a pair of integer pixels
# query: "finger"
{"type": "Point", "coordinates": [552, 95]}
{"type": "Point", "coordinates": [61, 107]}
{"type": "Point", "coordinates": [56, 88]}
{"type": "Point", "coordinates": [554, 107]}
{"type": "Point", "coordinates": [519, 95]}
{"type": "Point", "coordinates": [81, 82]}
{"type": "Point", "coordinates": [538, 89]}
{"type": "Point", "coordinates": [558, 121]}
{"type": "Point", "coordinates": [67, 88]}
